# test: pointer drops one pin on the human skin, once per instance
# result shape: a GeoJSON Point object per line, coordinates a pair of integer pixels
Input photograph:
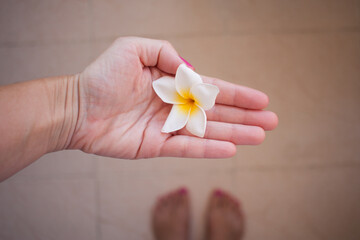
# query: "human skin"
{"type": "Point", "coordinates": [110, 109]}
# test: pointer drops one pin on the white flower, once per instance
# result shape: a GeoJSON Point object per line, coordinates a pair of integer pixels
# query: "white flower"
{"type": "Point", "coordinates": [190, 96]}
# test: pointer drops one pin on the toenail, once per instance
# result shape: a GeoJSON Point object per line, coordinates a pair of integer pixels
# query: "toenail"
{"type": "Point", "coordinates": [218, 192]}
{"type": "Point", "coordinates": [183, 191]}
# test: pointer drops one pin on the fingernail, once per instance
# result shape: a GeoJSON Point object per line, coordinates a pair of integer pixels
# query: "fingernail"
{"type": "Point", "coordinates": [187, 63]}
{"type": "Point", "coordinates": [183, 191]}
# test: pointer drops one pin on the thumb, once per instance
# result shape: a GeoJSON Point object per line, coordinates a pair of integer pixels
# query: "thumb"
{"type": "Point", "coordinates": [159, 53]}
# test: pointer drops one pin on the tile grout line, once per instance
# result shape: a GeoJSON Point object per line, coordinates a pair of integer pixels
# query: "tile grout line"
{"type": "Point", "coordinates": [233, 170]}
{"type": "Point", "coordinates": [97, 201]}
{"type": "Point", "coordinates": [98, 233]}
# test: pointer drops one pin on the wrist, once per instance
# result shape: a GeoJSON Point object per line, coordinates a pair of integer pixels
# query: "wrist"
{"type": "Point", "coordinates": [65, 109]}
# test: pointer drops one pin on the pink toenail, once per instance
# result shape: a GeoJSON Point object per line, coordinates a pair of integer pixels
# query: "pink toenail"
{"type": "Point", "coordinates": [183, 191]}
{"type": "Point", "coordinates": [218, 192]}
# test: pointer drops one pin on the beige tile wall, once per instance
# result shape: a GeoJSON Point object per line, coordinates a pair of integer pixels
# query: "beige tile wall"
{"type": "Point", "coordinates": [301, 183]}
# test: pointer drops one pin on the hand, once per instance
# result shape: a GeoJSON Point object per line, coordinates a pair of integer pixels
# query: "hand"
{"type": "Point", "coordinates": [121, 116]}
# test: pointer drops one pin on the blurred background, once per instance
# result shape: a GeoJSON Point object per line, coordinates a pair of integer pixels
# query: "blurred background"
{"type": "Point", "coordinates": [303, 182]}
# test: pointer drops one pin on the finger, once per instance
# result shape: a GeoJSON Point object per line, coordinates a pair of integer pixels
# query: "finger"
{"type": "Point", "coordinates": [223, 113]}
{"type": "Point", "coordinates": [236, 133]}
{"type": "Point", "coordinates": [158, 53]}
{"type": "Point", "coordinates": [239, 96]}
{"type": "Point", "coordinates": [194, 147]}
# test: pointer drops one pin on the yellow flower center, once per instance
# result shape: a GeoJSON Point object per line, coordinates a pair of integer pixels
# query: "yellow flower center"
{"type": "Point", "coordinates": [190, 105]}
{"type": "Point", "coordinates": [189, 102]}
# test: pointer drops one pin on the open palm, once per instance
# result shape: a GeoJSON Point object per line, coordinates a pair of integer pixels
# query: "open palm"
{"type": "Point", "coordinates": [121, 116]}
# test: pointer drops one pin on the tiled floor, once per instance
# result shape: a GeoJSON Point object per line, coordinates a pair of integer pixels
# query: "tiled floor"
{"type": "Point", "coordinates": [301, 183]}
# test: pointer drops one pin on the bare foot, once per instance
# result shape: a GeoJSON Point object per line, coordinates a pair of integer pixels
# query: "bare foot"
{"type": "Point", "coordinates": [171, 216]}
{"type": "Point", "coordinates": [224, 219]}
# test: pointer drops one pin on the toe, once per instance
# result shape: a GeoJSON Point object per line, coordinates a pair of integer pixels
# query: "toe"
{"type": "Point", "coordinates": [170, 216]}
{"type": "Point", "coordinates": [231, 203]}
{"type": "Point", "coordinates": [173, 199]}
{"type": "Point", "coordinates": [234, 203]}
{"type": "Point", "coordinates": [184, 197]}
{"type": "Point", "coordinates": [183, 205]}
{"type": "Point", "coordinates": [217, 198]}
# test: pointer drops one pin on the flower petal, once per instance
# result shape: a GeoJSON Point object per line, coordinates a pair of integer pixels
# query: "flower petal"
{"type": "Point", "coordinates": [197, 121]}
{"type": "Point", "coordinates": [204, 95]}
{"type": "Point", "coordinates": [165, 89]}
{"type": "Point", "coordinates": [177, 118]}
{"type": "Point", "coordinates": [185, 78]}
